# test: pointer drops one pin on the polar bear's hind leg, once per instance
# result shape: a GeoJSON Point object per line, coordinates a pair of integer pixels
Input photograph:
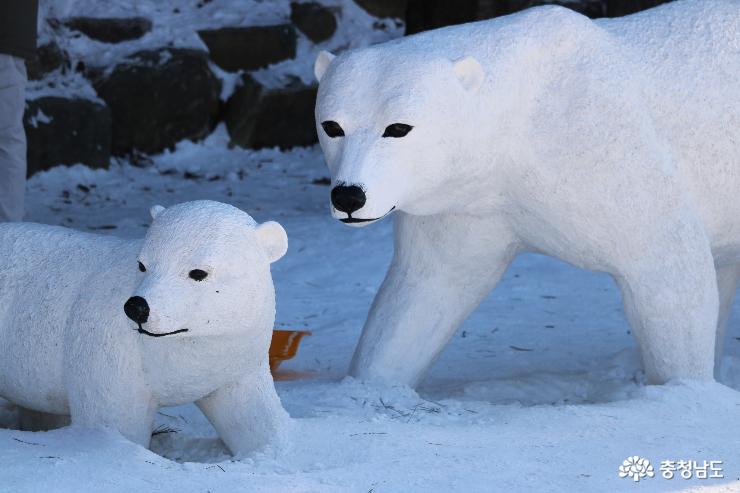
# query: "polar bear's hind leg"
{"type": "Point", "coordinates": [671, 301]}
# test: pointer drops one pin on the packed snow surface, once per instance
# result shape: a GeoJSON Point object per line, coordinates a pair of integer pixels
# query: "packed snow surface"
{"type": "Point", "coordinates": [540, 390]}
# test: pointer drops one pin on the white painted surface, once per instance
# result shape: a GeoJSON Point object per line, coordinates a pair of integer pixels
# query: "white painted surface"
{"type": "Point", "coordinates": [611, 145]}
{"type": "Point", "coordinates": [67, 348]}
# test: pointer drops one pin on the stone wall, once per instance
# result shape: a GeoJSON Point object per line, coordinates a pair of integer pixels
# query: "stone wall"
{"type": "Point", "coordinates": [422, 15]}
{"type": "Point", "coordinates": [146, 101]}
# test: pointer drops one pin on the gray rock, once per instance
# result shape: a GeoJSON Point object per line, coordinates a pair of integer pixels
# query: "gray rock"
{"type": "Point", "coordinates": [314, 20]}
{"type": "Point", "coordinates": [618, 8]}
{"type": "Point", "coordinates": [384, 8]}
{"type": "Point", "coordinates": [49, 57]}
{"type": "Point", "coordinates": [66, 131]}
{"type": "Point", "coordinates": [250, 48]}
{"type": "Point", "coordinates": [112, 29]}
{"type": "Point", "coordinates": [424, 15]}
{"type": "Point", "coordinates": [257, 117]}
{"type": "Point", "coordinates": [158, 98]}
{"type": "Point", "coordinates": [495, 8]}
{"type": "Point", "coordinates": [241, 109]}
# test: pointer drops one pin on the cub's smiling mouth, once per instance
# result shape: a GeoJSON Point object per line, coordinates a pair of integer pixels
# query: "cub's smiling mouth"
{"type": "Point", "coordinates": [142, 330]}
{"type": "Point", "coordinates": [355, 220]}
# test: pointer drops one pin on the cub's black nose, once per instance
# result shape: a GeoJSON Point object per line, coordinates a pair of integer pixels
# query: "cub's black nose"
{"type": "Point", "coordinates": [137, 309]}
{"type": "Point", "coordinates": [348, 199]}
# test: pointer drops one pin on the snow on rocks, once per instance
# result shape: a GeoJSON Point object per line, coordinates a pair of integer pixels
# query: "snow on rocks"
{"type": "Point", "coordinates": [200, 308]}
{"type": "Point", "coordinates": [91, 51]}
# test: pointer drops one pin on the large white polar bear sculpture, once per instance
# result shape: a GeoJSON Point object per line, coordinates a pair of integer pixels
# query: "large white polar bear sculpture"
{"type": "Point", "coordinates": [613, 145]}
{"type": "Point", "coordinates": [200, 304]}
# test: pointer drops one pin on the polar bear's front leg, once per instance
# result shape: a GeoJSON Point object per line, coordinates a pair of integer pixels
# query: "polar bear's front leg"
{"type": "Point", "coordinates": [106, 386]}
{"type": "Point", "coordinates": [130, 411]}
{"type": "Point", "coordinates": [247, 414]}
{"type": "Point", "coordinates": [671, 300]}
{"type": "Point", "coordinates": [442, 269]}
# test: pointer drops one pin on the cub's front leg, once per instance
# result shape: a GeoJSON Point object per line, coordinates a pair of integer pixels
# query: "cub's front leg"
{"type": "Point", "coordinates": [123, 405]}
{"type": "Point", "coordinates": [247, 414]}
{"type": "Point", "coordinates": [106, 385]}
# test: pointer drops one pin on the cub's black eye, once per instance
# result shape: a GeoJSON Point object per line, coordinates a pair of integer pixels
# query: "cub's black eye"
{"type": "Point", "coordinates": [141, 267]}
{"type": "Point", "coordinates": [332, 129]}
{"type": "Point", "coordinates": [397, 130]}
{"type": "Point", "coordinates": [198, 275]}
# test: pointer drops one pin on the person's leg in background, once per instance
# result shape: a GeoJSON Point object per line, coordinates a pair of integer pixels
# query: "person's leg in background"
{"type": "Point", "coordinates": [12, 138]}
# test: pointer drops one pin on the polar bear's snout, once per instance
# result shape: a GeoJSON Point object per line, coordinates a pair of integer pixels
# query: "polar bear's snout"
{"type": "Point", "coordinates": [186, 314]}
{"type": "Point", "coordinates": [348, 198]}
{"type": "Point", "coordinates": [137, 309]}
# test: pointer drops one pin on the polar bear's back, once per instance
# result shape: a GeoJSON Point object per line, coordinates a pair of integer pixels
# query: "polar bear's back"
{"type": "Point", "coordinates": [689, 53]}
{"type": "Point", "coordinates": [690, 48]}
{"type": "Point", "coordinates": [45, 272]}
{"type": "Point", "coordinates": [687, 48]}
{"type": "Point", "coordinates": [684, 36]}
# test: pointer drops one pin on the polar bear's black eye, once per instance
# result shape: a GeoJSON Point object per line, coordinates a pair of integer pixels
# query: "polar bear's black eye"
{"type": "Point", "coordinates": [198, 275]}
{"type": "Point", "coordinates": [141, 267]}
{"type": "Point", "coordinates": [397, 130]}
{"type": "Point", "coordinates": [332, 129]}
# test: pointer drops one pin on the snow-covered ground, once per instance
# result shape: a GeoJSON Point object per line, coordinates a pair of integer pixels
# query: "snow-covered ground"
{"type": "Point", "coordinates": [540, 390]}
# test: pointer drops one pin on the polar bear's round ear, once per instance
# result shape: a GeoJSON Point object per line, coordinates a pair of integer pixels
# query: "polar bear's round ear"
{"type": "Point", "coordinates": [273, 239]}
{"type": "Point", "coordinates": [469, 72]}
{"type": "Point", "coordinates": [155, 210]}
{"type": "Point", "coordinates": [322, 63]}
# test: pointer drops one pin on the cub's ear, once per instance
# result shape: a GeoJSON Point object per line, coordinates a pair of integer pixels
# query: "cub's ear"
{"type": "Point", "coordinates": [273, 239]}
{"type": "Point", "coordinates": [322, 63]}
{"type": "Point", "coordinates": [156, 210]}
{"type": "Point", "coordinates": [469, 72]}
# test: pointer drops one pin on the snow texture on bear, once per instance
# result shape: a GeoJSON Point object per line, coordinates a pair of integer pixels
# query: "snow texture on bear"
{"type": "Point", "coordinates": [68, 349]}
{"type": "Point", "coordinates": [612, 144]}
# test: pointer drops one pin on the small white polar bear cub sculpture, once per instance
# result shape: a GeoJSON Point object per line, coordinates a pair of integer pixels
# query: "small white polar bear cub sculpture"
{"type": "Point", "coordinates": [199, 312]}
{"type": "Point", "coordinates": [612, 144]}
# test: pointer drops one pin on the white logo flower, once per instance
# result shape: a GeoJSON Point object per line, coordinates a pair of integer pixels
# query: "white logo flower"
{"type": "Point", "coordinates": [636, 468]}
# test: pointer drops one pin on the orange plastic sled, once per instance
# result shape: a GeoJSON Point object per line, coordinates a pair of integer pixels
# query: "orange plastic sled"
{"type": "Point", "coordinates": [284, 346]}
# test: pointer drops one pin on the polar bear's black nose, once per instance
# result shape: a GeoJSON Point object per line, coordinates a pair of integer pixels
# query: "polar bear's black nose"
{"type": "Point", "coordinates": [348, 199]}
{"type": "Point", "coordinates": [137, 309]}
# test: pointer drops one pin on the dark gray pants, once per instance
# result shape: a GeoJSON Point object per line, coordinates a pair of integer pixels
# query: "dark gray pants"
{"type": "Point", "coordinates": [12, 138]}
